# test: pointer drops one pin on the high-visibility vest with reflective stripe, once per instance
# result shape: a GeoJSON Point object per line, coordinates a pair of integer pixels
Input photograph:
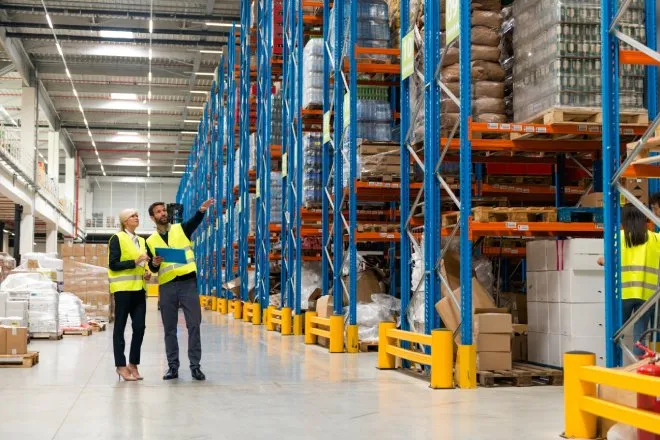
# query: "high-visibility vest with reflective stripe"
{"type": "Point", "coordinates": [128, 279]}
{"type": "Point", "coordinates": [176, 240]}
{"type": "Point", "coordinates": [640, 267]}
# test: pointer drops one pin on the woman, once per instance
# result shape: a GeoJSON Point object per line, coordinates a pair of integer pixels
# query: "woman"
{"type": "Point", "coordinates": [127, 275]}
{"type": "Point", "coordinates": [640, 265]}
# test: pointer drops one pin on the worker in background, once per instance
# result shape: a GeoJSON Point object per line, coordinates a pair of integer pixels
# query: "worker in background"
{"type": "Point", "coordinates": [178, 286]}
{"type": "Point", "coordinates": [640, 266]}
{"type": "Point", "coordinates": [654, 203]}
{"type": "Point", "coordinates": [127, 259]}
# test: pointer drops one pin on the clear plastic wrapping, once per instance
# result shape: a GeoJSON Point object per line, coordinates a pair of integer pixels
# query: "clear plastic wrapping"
{"type": "Point", "coordinates": [36, 294]}
{"type": "Point", "coordinates": [310, 280]}
{"type": "Point", "coordinates": [372, 22]}
{"type": "Point", "coordinates": [312, 185]}
{"type": "Point", "coordinates": [275, 197]}
{"type": "Point", "coordinates": [369, 315]}
{"type": "Point", "coordinates": [558, 59]}
{"type": "Point", "coordinates": [71, 311]}
{"type": "Point", "coordinates": [313, 73]}
{"type": "Point", "coordinates": [7, 264]}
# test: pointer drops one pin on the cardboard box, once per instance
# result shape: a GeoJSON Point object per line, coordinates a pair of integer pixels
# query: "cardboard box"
{"type": "Point", "coordinates": [90, 250]}
{"type": "Point", "coordinates": [80, 259]}
{"type": "Point", "coordinates": [490, 360]}
{"type": "Point", "coordinates": [592, 200]}
{"type": "Point", "coordinates": [450, 268]}
{"type": "Point", "coordinates": [492, 323]}
{"type": "Point", "coordinates": [552, 254]}
{"type": "Point", "coordinates": [554, 318]}
{"type": "Point", "coordinates": [493, 342]}
{"type": "Point", "coordinates": [638, 187]}
{"type": "Point", "coordinates": [536, 256]}
{"type": "Point", "coordinates": [584, 320]}
{"type": "Point", "coordinates": [555, 354]}
{"type": "Point", "coordinates": [324, 306]}
{"type": "Point", "coordinates": [102, 251]}
{"type": "Point", "coordinates": [582, 287]}
{"type": "Point", "coordinates": [516, 304]}
{"type": "Point", "coordinates": [78, 250]}
{"type": "Point", "coordinates": [17, 340]}
{"type": "Point", "coordinates": [542, 286]}
{"type": "Point", "coordinates": [532, 287]}
{"type": "Point", "coordinates": [554, 286]}
{"type": "Point", "coordinates": [66, 250]}
{"type": "Point", "coordinates": [233, 286]}
{"type": "Point", "coordinates": [543, 317]}
{"type": "Point", "coordinates": [3, 340]}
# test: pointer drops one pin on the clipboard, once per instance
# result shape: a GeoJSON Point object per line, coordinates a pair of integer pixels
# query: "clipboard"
{"type": "Point", "coordinates": [172, 255]}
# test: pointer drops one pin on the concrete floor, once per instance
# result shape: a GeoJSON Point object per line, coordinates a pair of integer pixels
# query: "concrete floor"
{"type": "Point", "coordinates": [259, 386]}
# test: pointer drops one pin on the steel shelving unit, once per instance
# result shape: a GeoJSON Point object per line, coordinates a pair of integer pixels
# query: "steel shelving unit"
{"type": "Point", "coordinates": [230, 148]}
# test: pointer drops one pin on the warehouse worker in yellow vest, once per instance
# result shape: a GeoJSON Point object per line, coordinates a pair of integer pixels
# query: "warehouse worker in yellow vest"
{"type": "Point", "coordinates": [178, 286]}
{"type": "Point", "coordinates": [640, 267]}
{"type": "Point", "coordinates": [127, 258]}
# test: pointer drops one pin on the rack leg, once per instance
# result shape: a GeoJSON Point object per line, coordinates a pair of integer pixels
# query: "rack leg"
{"type": "Point", "coordinates": [352, 339]}
{"type": "Point", "coordinates": [310, 339]}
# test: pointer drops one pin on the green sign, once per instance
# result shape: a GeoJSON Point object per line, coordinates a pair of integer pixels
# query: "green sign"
{"type": "Point", "coordinates": [326, 127]}
{"type": "Point", "coordinates": [239, 207]}
{"type": "Point", "coordinates": [285, 164]}
{"type": "Point", "coordinates": [347, 109]}
{"type": "Point", "coordinates": [452, 14]}
{"type": "Point", "coordinates": [258, 191]}
{"type": "Point", "coordinates": [408, 55]}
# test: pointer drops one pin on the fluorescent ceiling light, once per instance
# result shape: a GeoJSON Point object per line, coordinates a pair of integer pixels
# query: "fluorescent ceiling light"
{"type": "Point", "coordinates": [149, 76]}
{"type": "Point", "coordinates": [179, 166]}
{"type": "Point", "coordinates": [129, 158]}
{"type": "Point", "coordinates": [127, 133]}
{"type": "Point", "coordinates": [204, 73]}
{"type": "Point", "coordinates": [210, 51]}
{"type": "Point", "coordinates": [151, 26]}
{"type": "Point", "coordinates": [68, 74]}
{"type": "Point", "coordinates": [178, 172]}
{"type": "Point", "coordinates": [116, 34]}
{"type": "Point", "coordinates": [75, 93]}
{"type": "Point", "coordinates": [216, 24]}
{"type": "Point", "coordinates": [189, 132]}
{"type": "Point", "coordinates": [191, 121]}
{"type": "Point", "coordinates": [59, 49]}
{"type": "Point", "coordinates": [151, 54]}
{"type": "Point", "coordinates": [50, 23]}
{"type": "Point", "coordinates": [199, 92]}
{"type": "Point", "coordinates": [124, 96]}
{"type": "Point", "coordinates": [194, 108]}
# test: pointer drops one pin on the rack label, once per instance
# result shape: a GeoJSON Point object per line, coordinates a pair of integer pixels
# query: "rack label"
{"type": "Point", "coordinates": [285, 164]}
{"type": "Point", "coordinates": [258, 189]}
{"type": "Point", "coordinates": [326, 127]}
{"type": "Point", "coordinates": [408, 55]}
{"type": "Point", "coordinates": [452, 16]}
{"type": "Point", "coordinates": [347, 109]}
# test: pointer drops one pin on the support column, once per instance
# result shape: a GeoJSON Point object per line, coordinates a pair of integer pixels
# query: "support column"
{"type": "Point", "coordinates": [54, 155]}
{"type": "Point", "coordinates": [18, 213]}
{"type": "Point", "coordinates": [29, 129]}
{"type": "Point", "coordinates": [51, 237]}
{"type": "Point", "coordinates": [27, 233]}
{"type": "Point", "coordinates": [70, 178]}
{"type": "Point", "coordinates": [5, 242]}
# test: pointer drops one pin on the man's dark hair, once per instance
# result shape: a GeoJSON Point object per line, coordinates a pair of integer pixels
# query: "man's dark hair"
{"type": "Point", "coordinates": [152, 206]}
{"type": "Point", "coordinates": [654, 200]}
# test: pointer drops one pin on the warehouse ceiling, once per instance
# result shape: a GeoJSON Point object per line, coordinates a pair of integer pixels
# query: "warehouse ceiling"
{"type": "Point", "coordinates": [106, 46]}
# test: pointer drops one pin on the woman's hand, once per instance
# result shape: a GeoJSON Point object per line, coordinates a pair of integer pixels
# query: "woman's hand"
{"type": "Point", "coordinates": [147, 275]}
{"type": "Point", "coordinates": [142, 258]}
{"type": "Point", "coordinates": [601, 261]}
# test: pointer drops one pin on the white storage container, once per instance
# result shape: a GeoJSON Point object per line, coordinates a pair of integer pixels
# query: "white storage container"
{"type": "Point", "coordinates": [584, 320]}
{"type": "Point", "coordinates": [594, 345]}
{"type": "Point", "coordinates": [582, 287]}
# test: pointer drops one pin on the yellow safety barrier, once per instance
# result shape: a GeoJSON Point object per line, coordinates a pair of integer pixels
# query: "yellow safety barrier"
{"type": "Point", "coordinates": [283, 318]}
{"type": "Point", "coordinates": [582, 407]}
{"type": "Point", "coordinates": [223, 306]}
{"type": "Point", "coordinates": [334, 332]}
{"type": "Point", "coordinates": [270, 325]}
{"type": "Point", "coordinates": [237, 308]}
{"type": "Point", "coordinates": [256, 313]}
{"type": "Point", "coordinates": [441, 359]}
{"type": "Point", "coordinates": [202, 301]}
{"type": "Point", "coordinates": [248, 309]}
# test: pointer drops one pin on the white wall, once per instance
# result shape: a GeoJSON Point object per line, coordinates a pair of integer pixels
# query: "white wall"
{"type": "Point", "coordinates": [110, 197]}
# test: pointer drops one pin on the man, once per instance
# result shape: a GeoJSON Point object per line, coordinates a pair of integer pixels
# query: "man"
{"type": "Point", "coordinates": [178, 286]}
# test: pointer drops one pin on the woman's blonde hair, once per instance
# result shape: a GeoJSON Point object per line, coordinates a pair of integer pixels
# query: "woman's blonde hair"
{"type": "Point", "coordinates": [125, 215]}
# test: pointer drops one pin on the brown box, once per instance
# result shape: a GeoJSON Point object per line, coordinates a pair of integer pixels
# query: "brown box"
{"type": "Point", "coordinates": [3, 340]}
{"type": "Point", "coordinates": [638, 187]}
{"type": "Point", "coordinates": [17, 340]}
{"type": "Point", "coordinates": [80, 259]}
{"type": "Point", "coordinates": [78, 250]}
{"type": "Point", "coordinates": [493, 342]}
{"type": "Point", "coordinates": [102, 251]}
{"type": "Point", "coordinates": [90, 250]}
{"type": "Point", "coordinates": [93, 260]}
{"type": "Point", "coordinates": [516, 303]}
{"type": "Point", "coordinates": [492, 323]}
{"type": "Point", "coordinates": [490, 360]}
{"type": "Point", "coordinates": [66, 250]}
{"type": "Point", "coordinates": [592, 200]}
{"type": "Point", "coordinates": [324, 307]}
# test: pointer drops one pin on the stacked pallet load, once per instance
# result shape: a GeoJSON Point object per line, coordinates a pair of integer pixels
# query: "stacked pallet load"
{"type": "Point", "coordinates": [7, 264]}
{"type": "Point", "coordinates": [487, 74]}
{"type": "Point", "coordinates": [30, 299]}
{"type": "Point", "coordinates": [558, 61]}
{"type": "Point", "coordinates": [311, 170]}
{"type": "Point", "coordinates": [313, 74]}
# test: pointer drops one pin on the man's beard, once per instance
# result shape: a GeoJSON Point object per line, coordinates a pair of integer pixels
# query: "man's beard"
{"type": "Point", "coordinates": [164, 221]}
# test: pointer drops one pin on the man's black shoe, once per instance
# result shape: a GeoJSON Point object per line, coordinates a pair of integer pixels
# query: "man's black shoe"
{"type": "Point", "coordinates": [197, 374]}
{"type": "Point", "coordinates": [172, 373]}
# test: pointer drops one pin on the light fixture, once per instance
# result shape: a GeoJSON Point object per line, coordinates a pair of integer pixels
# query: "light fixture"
{"type": "Point", "coordinates": [199, 92]}
{"type": "Point", "coordinates": [89, 132]}
{"type": "Point", "coordinates": [204, 73]}
{"type": "Point", "coordinates": [116, 34]}
{"type": "Point", "coordinates": [216, 24]}
{"type": "Point", "coordinates": [59, 49]}
{"type": "Point", "coordinates": [130, 158]}
{"type": "Point", "coordinates": [149, 124]}
{"type": "Point", "coordinates": [179, 166]}
{"type": "Point", "coordinates": [192, 107]}
{"type": "Point", "coordinates": [191, 121]}
{"type": "Point", "coordinates": [149, 76]}
{"type": "Point", "coordinates": [178, 172]}
{"type": "Point", "coordinates": [68, 74]}
{"type": "Point", "coordinates": [149, 95]}
{"type": "Point", "coordinates": [124, 96]}
{"type": "Point", "coordinates": [210, 51]}
{"type": "Point", "coordinates": [75, 93]}
{"type": "Point", "coordinates": [127, 133]}
{"type": "Point", "coordinates": [149, 111]}
{"type": "Point", "coordinates": [189, 132]}
{"type": "Point", "coordinates": [99, 159]}
{"type": "Point", "coordinates": [151, 54]}
{"type": "Point", "coordinates": [151, 26]}
{"type": "Point", "coordinates": [50, 23]}
{"type": "Point", "coordinates": [148, 153]}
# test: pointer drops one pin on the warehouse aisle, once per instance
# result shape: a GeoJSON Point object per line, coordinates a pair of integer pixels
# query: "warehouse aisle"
{"type": "Point", "coordinates": [260, 386]}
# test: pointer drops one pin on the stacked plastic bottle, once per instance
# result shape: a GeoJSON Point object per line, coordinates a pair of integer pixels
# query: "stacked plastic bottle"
{"type": "Point", "coordinates": [276, 119]}
{"type": "Point", "coordinates": [373, 25]}
{"type": "Point", "coordinates": [276, 197]}
{"type": "Point", "coordinates": [313, 74]}
{"type": "Point", "coordinates": [558, 58]}
{"type": "Point", "coordinates": [311, 170]}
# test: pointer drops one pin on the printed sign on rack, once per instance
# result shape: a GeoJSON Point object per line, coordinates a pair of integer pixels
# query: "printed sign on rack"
{"type": "Point", "coordinates": [347, 109]}
{"type": "Point", "coordinates": [326, 127]}
{"type": "Point", "coordinates": [285, 164]}
{"type": "Point", "coordinates": [452, 20]}
{"type": "Point", "coordinates": [408, 55]}
{"type": "Point", "coordinates": [258, 191]}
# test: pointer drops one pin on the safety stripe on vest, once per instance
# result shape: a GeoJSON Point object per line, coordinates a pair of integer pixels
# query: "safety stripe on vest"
{"type": "Point", "coordinates": [125, 278]}
{"type": "Point", "coordinates": [640, 269]}
{"type": "Point", "coordinates": [174, 266]}
{"type": "Point", "coordinates": [642, 284]}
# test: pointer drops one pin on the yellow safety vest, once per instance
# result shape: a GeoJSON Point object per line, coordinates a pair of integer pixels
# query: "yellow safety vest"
{"type": "Point", "coordinates": [640, 267]}
{"type": "Point", "coordinates": [177, 240]}
{"type": "Point", "coordinates": [128, 279]}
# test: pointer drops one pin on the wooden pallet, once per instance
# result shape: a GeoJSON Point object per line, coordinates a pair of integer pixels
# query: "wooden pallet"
{"type": "Point", "coordinates": [368, 227]}
{"type": "Point", "coordinates": [98, 326]}
{"type": "Point", "coordinates": [524, 215]}
{"type": "Point", "coordinates": [504, 242]}
{"type": "Point", "coordinates": [49, 336]}
{"type": "Point", "coordinates": [19, 360]}
{"type": "Point", "coordinates": [450, 219]}
{"type": "Point", "coordinates": [521, 375]}
{"type": "Point", "coordinates": [518, 180]}
{"type": "Point", "coordinates": [368, 347]}
{"type": "Point", "coordinates": [78, 331]}
{"type": "Point", "coordinates": [592, 215]}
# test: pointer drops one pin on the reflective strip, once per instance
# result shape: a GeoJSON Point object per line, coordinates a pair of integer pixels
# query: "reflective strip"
{"type": "Point", "coordinates": [640, 269]}
{"type": "Point", "coordinates": [170, 268]}
{"type": "Point", "coordinates": [642, 284]}
{"type": "Point", "coordinates": [125, 278]}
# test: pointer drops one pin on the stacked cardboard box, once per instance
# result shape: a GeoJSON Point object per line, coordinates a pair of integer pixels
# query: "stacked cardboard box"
{"type": "Point", "coordinates": [13, 340]}
{"type": "Point", "coordinates": [565, 299]}
{"type": "Point", "coordinates": [89, 283]}
{"type": "Point", "coordinates": [492, 334]}
{"type": "Point", "coordinates": [95, 253]}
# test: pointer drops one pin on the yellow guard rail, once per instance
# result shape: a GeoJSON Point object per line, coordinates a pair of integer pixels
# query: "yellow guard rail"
{"type": "Point", "coordinates": [441, 359]}
{"type": "Point", "coordinates": [281, 317]}
{"type": "Point", "coordinates": [582, 407]}
{"type": "Point", "coordinates": [315, 327]}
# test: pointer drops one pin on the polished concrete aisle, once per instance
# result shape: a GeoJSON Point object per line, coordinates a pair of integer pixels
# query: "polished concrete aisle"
{"type": "Point", "coordinates": [260, 386]}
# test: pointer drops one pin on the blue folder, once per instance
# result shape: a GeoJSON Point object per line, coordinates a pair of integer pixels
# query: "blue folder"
{"type": "Point", "coordinates": [172, 255]}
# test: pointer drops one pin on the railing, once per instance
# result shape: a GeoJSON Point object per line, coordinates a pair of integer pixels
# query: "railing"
{"type": "Point", "coordinates": [315, 327]}
{"type": "Point", "coordinates": [582, 407]}
{"type": "Point", "coordinates": [440, 358]}
{"type": "Point", "coordinates": [223, 306]}
{"type": "Point", "coordinates": [10, 146]}
{"type": "Point", "coordinates": [252, 312]}
{"type": "Point", "coordinates": [282, 317]}
{"type": "Point", "coordinates": [236, 308]}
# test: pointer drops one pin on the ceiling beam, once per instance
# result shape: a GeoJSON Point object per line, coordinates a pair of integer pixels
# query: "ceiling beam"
{"type": "Point", "coordinates": [95, 28]}
{"type": "Point", "coordinates": [113, 69]}
{"type": "Point", "coordinates": [95, 12]}
{"type": "Point", "coordinates": [111, 87]}
{"type": "Point", "coordinates": [210, 45]}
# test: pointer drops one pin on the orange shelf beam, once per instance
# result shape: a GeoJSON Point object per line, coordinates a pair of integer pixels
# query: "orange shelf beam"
{"type": "Point", "coordinates": [506, 252]}
{"type": "Point", "coordinates": [636, 57]}
{"type": "Point", "coordinates": [532, 229]}
{"type": "Point", "coordinates": [642, 171]}
{"type": "Point", "coordinates": [574, 128]}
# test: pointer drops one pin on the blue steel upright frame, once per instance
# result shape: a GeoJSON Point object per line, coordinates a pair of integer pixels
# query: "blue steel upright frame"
{"type": "Point", "coordinates": [218, 121]}
{"type": "Point", "coordinates": [263, 152]}
{"type": "Point", "coordinates": [244, 151]}
{"type": "Point", "coordinates": [613, 168]}
{"type": "Point", "coordinates": [231, 152]}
